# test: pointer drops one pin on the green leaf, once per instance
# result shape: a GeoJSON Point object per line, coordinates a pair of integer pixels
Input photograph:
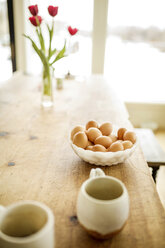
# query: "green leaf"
{"type": "Point", "coordinates": [53, 52]}
{"type": "Point", "coordinates": [39, 52]}
{"type": "Point", "coordinates": [60, 55]}
{"type": "Point", "coordinates": [48, 27]}
{"type": "Point", "coordinates": [51, 31]}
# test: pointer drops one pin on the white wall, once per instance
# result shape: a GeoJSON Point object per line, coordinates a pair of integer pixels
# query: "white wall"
{"type": "Point", "coordinates": [147, 114]}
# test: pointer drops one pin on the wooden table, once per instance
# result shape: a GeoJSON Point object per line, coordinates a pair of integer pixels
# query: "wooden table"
{"type": "Point", "coordinates": [37, 162]}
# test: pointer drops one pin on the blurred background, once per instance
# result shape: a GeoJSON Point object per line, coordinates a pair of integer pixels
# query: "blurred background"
{"type": "Point", "coordinates": [122, 39]}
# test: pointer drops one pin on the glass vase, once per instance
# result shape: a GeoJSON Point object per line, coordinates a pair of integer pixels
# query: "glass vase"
{"type": "Point", "coordinates": [47, 87]}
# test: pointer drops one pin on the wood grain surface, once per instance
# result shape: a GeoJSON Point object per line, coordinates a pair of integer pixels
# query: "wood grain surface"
{"type": "Point", "coordinates": [37, 162]}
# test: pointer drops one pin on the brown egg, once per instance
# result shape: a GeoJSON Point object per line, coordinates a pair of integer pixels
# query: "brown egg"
{"type": "Point", "coordinates": [80, 139]}
{"type": "Point", "coordinates": [98, 148]}
{"type": "Point", "coordinates": [93, 133]}
{"type": "Point", "coordinates": [121, 132]}
{"type": "Point", "coordinates": [89, 148]}
{"type": "Point", "coordinates": [90, 143]}
{"type": "Point", "coordinates": [106, 128]}
{"type": "Point", "coordinates": [128, 135]}
{"type": "Point", "coordinates": [127, 144]}
{"type": "Point", "coordinates": [91, 124]}
{"type": "Point", "coordinates": [76, 130]}
{"type": "Point", "coordinates": [115, 147]}
{"type": "Point", "coordinates": [113, 137]}
{"type": "Point", "coordinates": [104, 141]}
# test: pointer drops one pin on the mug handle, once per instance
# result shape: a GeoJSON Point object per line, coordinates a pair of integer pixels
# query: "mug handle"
{"type": "Point", "coordinates": [2, 209]}
{"type": "Point", "coordinates": [96, 173]}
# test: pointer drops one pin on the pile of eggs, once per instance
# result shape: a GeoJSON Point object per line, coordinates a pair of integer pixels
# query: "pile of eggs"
{"type": "Point", "coordinates": [100, 138]}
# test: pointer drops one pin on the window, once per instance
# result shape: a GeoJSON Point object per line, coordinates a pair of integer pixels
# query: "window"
{"type": "Point", "coordinates": [135, 58]}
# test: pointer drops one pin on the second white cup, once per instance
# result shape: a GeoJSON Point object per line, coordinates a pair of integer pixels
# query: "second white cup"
{"type": "Point", "coordinates": [102, 205]}
{"type": "Point", "coordinates": [26, 224]}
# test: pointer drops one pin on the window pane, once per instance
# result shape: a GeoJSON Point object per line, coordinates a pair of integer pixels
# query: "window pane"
{"type": "Point", "coordinates": [135, 48]}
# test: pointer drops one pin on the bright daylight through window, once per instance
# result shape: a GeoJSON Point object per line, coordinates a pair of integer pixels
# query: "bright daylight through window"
{"type": "Point", "coordinates": [135, 58]}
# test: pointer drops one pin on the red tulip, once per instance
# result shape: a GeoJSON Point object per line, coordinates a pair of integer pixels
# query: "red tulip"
{"type": "Point", "coordinates": [52, 10]}
{"type": "Point", "coordinates": [33, 9]}
{"type": "Point", "coordinates": [72, 31]}
{"type": "Point", "coordinates": [35, 20]}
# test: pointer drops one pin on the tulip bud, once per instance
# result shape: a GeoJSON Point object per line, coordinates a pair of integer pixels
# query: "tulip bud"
{"type": "Point", "coordinates": [72, 31]}
{"type": "Point", "coordinates": [33, 9]}
{"type": "Point", "coordinates": [35, 20]}
{"type": "Point", "coordinates": [52, 10]}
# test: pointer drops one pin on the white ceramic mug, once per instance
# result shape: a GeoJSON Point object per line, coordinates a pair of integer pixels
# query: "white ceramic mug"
{"type": "Point", "coordinates": [102, 205]}
{"type": "Point", "coordinates": [26, 224]}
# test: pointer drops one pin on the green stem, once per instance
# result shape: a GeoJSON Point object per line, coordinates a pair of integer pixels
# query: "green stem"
{"type": "Point", "coordinates": [42, 40]}
{"type": "Point", "coordinates": [50, 38]}
{"type": "Point", "coordinates": [40, 36]}
{"type": "Point", "coordinates": [47, 81]}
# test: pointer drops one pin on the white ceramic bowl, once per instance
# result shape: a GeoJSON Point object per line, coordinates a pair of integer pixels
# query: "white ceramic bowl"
{"type": "Point", "coordinates": [103, 158]}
